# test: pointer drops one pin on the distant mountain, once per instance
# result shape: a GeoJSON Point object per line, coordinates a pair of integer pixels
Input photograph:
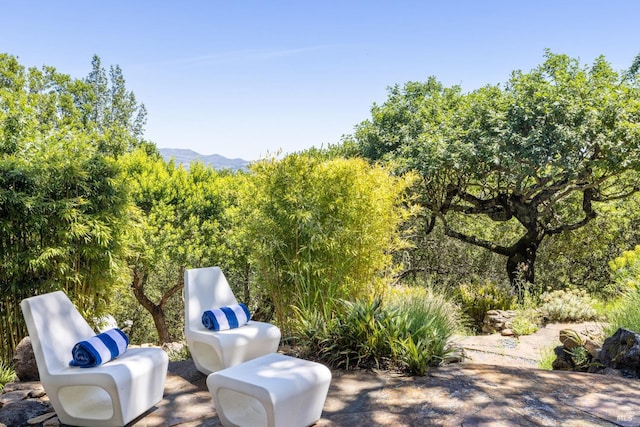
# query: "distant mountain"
{"type": "Point", "coordinates": [184, 157]}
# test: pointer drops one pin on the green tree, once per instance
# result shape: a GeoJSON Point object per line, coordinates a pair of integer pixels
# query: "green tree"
{"type": "Point", "coordinates": [182, 223]}
{"type": "Point", "coordinates": [110, 110]}
{"type": "Point", "coordinates": [321, 230]}
{"type": "Point", "coordinates": [534, 156]}
{"type": "Point", "coordinates": [63, 206]}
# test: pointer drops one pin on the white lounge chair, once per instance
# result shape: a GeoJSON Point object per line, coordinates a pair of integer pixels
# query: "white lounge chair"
{"type": "Point", "coordinates": [112, 394]}
{"type": "Point", "coordinates": [205, 289]}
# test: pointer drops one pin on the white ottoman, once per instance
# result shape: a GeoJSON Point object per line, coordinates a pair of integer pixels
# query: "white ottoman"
{"type": "Point", "coordinates": [272, 390]}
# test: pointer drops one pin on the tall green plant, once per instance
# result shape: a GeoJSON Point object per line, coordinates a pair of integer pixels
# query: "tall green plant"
{"type": "Point", "coordinates": [182, 222]}
{"type": "Point", "coordinates": [322, 229]}
{"type": "Point", "coordinates": [63, 206]}
{"type": "Point", "coordinates": [626, 276]}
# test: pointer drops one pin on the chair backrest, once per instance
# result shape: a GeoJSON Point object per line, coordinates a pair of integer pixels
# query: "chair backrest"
{"type": "Point", "coordinates": [54, 326]}
{"type": "Point", "coordinates": [204, 289]}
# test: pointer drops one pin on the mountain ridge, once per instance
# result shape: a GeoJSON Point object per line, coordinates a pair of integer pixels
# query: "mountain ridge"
{"type": "Point", "coordinates": [185, 156]}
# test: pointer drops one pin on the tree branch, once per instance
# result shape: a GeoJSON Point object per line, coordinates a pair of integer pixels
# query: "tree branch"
{"type": "Point", "coordinates": [500, 250]}
{"type": "Point", "coordinates": [171, 292]}
{"type": "Point", "coordinates": [587, 207]}
{"type": "Point", "coordinates": [138, 282]}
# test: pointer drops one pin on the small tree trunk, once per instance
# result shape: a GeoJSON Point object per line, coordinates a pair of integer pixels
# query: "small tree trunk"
{"type": "Point", "coordinates": [159, 319]}
{"type": "Point", "coordinates": [521, 265]}
{"type": "Point", "coordinates": [156, 310]}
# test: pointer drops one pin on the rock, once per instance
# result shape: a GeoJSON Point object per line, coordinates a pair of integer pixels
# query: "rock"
{"type": "Point", "coordinates": [187, 370]}
{"type": "Point", "coordinates": [570, 339]}
{"type": "Point", "coordinates": [17, 414]}
{"type": "Point", "coordinates": [174, 348]}
{"type": "Point", "coordinates": [593, 348]}
{"type": "Point", "coordinates": [13, 396]}
{"type": "Point", "coordinates": [51, 422]}
{"type": "Point", "coordinates": [41, 418]}
{"type": "Point", "coordinates": [497, 320]}
{"type": "Point", "coordinates": [24, 361]}
{"type": "Point", "coordinates": [621, 351]}
{"type": "Point", "coordinates": [454, 355]}
{"type": "Point", "coordinates": [562, 361]}
{"type": "Point", "coordinates": [507, 333]}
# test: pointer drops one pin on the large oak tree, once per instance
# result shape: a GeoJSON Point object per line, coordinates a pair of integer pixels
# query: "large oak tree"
{"type": "Point", "coordinates": [536, 154]}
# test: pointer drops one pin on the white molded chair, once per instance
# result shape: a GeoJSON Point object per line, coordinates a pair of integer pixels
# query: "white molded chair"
{"type": "Point", "coordinates": [112, 394]}
{"type": "Point", "coordinates": [207, 288]}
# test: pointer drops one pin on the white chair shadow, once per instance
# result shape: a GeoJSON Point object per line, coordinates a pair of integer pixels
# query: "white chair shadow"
{"type": "Point", "coordinates": [112, 394]}
{"type": "Point", "coordinates": [207, 288]}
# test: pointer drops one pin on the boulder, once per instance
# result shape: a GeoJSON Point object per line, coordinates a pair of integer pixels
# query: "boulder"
{"type": "Point", "coordinates": [563, 361]}
{"type": "Point", "coordinates": [577, 352]}
{"type": "Point", "coordinates": [497, 320]}
{"type": "Point", "coordinates": [24, 361]}
{"type": "Point", "coordinates": [621, 352]}
{"type": "Point", "coordinates": [18, 413]}
{"type": "Point", "coordinates": [570, 339]}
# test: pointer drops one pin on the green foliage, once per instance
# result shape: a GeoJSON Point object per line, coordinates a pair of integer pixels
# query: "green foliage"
{"type": "Point", "coordinates": [580, 257]}
{"type": "Point", "coordinates": [525, 322]}
{"type": "Point", "coordinates": [624, 311]}
{"type": "Point", "coordinates": [535, 155]}
{"type": "Point", "coordinates": [321, 230]}
{"type": "Point", "coordinates": [625, 314]}
{"type": "Point", "coordinates": [625, 269]}
{"type": "Point", "coordinates": [581, 358]}
{"type": "Point", "coordinates": [573, 305]}
{"type": "Point", "coordinates": [183, 221]}
{"type": "Point", "coordinates": [547, 356]}
{"type": "Point", "coordinates": [357, 336]}
{"type": "Point", "coordinates": [63, 205]}
{"type": "Point", "coordinates": [425, 323]}
{"type": "Point", "coordinates": [409, 332]}
{"type": "Point", "coordinates": [7, 374]}
{"type": "Point", "coordinates": [477, 297]}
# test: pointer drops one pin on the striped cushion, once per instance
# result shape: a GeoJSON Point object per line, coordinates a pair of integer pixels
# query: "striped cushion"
{"type": "Point", "coordinates": [221, 318]}
{"type": "Point", "coordinates": [99, 349]}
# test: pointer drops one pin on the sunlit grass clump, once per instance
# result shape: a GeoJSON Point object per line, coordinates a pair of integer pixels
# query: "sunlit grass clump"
{"type": "Point", "coordinates": [625, 314]}
{"type": "Point", "coordinates": [408, 331]}
{"type": "Point", "coordinates": [7, 374]}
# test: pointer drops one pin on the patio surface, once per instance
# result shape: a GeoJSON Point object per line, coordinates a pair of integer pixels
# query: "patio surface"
{"type": "Point", "coordinates": [463, 394]}
{"type": "Point", "coordinates": [497, 385]}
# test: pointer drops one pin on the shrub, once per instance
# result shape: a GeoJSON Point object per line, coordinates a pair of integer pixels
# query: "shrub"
{"type": "Point", "coordinates": [476, 298]}
{"type": "Point", "coordinates": [525, 322]}
{"type": "Point", "coordinates": [547, 357]}
{"type": "Point", "coordinates": [7, 374]}
{"type": "Point", "coordinates": [426, 321]}
{"type": "Point", "coordinates": [571, 305]}
{"type": "Point", "coordinates": [357, 336]}
{"type": "Point", "coordinates": [626, 314]}
{"type": "Point", "coordinates": [625, 269]}
{"type": "Point", "coordinates": [409, 331]}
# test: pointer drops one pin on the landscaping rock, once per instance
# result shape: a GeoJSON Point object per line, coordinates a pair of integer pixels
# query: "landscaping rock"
{"type": "Point", "coordinates": [497, 320]}
{"type": "Point", "coordinates": [562, 361]}
{"type": "Point", "coordinates": [24, 361]}
{"type": "Point", "coordinates": [621, 352]}
{"type": "Point", "coordinates": [18, 413]}
{"type": "Point", "coordinates": [570, 339]}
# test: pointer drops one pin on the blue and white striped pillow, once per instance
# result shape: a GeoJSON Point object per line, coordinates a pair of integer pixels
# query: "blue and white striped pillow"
{"type": "Point", "coordinates": [99, 349]}
{"type": "Point", "coordinates": [222, 318]}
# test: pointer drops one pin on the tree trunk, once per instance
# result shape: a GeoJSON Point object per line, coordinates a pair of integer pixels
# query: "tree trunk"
{"type": "Point", "coordinates": [159, 319]}
{"type": "Point", "coordinates": [521, 264]}
{"type": "Point", "coordinates": [156, 310]}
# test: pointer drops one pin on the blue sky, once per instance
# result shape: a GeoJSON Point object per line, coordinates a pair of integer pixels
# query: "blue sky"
{"type": "Point", "coordinates": [250, 78]}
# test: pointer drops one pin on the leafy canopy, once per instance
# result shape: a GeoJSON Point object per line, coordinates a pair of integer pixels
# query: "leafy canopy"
{"type": "Point", "coordinates": [536, 153]}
